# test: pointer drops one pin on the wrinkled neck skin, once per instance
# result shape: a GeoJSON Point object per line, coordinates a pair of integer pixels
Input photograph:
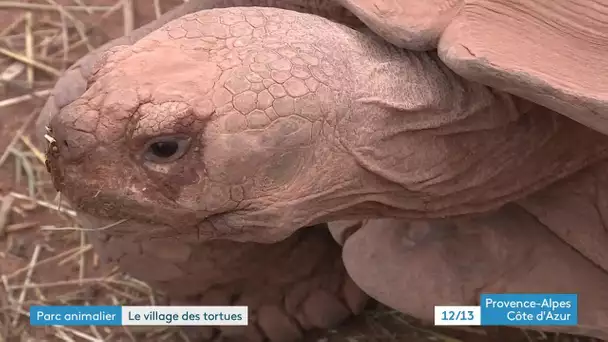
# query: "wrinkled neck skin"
{"type": "Point", "coordinates": [355, 128]}
{"type": "Point", "coordinates": [413, 140]}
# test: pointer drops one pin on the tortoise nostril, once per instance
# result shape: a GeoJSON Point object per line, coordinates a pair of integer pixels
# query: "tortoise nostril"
{"type": "Point", "coordinates": [52, 163]}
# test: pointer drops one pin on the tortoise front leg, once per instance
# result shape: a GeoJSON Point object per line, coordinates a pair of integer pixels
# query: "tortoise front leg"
{"type": "Point", "coordinates": [551, 242]}
{"type": "Point", "coordinates": [290, 287]}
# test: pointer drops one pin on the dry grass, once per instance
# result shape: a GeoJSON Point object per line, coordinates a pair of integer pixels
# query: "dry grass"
{"type": "Point", "coordinates": [45, 258]}
{"type": "Point", "coordinates": [35, 48]}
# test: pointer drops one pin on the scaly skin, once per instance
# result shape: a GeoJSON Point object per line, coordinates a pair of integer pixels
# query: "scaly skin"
{"type": "Point", "coordinates": [73, 83]}
{"type": "Point", "coordinates": [289, 287]}
{"type": "Point", "coordinates": [285, 120]}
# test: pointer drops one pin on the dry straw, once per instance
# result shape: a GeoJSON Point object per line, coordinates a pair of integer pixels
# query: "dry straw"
{"type": "Point", "coordinates": [34, 48]}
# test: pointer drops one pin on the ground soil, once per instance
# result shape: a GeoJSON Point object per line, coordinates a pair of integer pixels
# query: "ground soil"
{"type": "Point", "coordinates": [35, 232]}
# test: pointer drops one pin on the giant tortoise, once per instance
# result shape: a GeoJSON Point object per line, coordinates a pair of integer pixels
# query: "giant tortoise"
{"type": "Point", "coordinates": [453, 148]}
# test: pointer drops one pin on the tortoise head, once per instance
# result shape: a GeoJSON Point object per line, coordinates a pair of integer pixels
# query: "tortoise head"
{"type": "Point", "coordinates": [210, 124]}
{"type": "Point", "coordinates": [247, 124]}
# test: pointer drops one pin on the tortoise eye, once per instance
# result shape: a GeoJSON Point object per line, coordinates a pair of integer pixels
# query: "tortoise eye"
{"type": "Point", "coordinates": [166, 149]}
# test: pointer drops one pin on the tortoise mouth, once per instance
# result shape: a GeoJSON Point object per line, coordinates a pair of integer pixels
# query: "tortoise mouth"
{"type": "Point", "coordinates": [113, 198]}
{"type": "Point", "coordinates": [52, 161]}
{"type": "Point", "coordinates": [135, 229]}
{"type": "Point", "coordinates": [141, 228]}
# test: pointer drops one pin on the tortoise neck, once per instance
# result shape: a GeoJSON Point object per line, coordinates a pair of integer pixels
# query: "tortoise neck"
{"type": "Point", "coordinates": [407, 144]}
